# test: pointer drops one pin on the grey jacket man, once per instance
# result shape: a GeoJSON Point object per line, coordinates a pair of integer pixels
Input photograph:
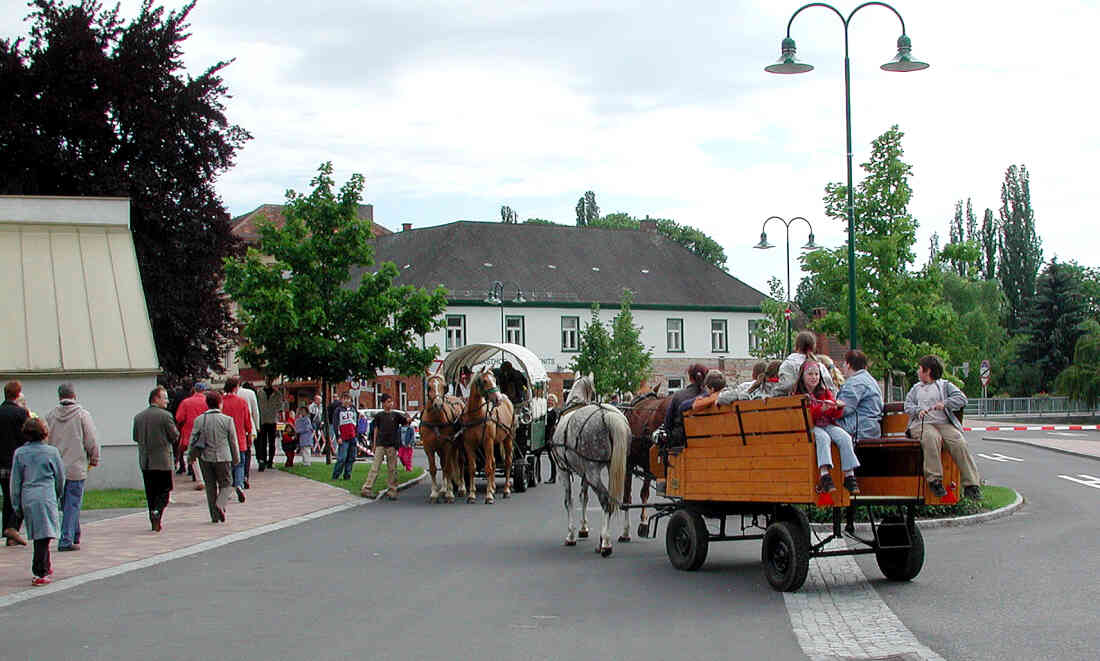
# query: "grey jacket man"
{"type": "Point", "coordinates": [72, 432]}
{"type": "Point", "coordinates": [156, 434]}
{"type": "Point", "coordinates": [270, 405]}
{"type": "Point", "coordinates": [220, 435]}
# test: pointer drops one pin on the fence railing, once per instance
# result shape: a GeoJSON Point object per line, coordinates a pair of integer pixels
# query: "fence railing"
{"type": "Point", "coordinates": [1024, 406]}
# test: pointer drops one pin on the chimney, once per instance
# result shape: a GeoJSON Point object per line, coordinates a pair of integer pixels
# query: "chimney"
{"type": "Point", "coordinates": [648, 225]}
{"type": "Point", "coordinates": [405, 227]}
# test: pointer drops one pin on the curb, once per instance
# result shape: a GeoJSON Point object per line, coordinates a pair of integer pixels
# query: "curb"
{"type": "Point", "coordinates": [99, 574]}
{"type": "Point", "coordinates": [952, 522]}
{"type": "Point", "coordinates": [1017, 441]}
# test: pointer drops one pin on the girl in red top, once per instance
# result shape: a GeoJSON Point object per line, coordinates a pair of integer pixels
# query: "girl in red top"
{"type": "Point", "coordinates": [825, 410]}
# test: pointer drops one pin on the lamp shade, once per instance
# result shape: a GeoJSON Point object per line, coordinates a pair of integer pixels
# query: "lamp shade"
{"type": "Point", "coordinates": [763, 245]}
{"type": "Point", "coordinates": [904, 61]}
{"type": "Point", "coordinates": [810, 245]}
{"type": "Point", "coordinates": [787, 62]}
{"type": "Point", "coordinates": [519, 299]}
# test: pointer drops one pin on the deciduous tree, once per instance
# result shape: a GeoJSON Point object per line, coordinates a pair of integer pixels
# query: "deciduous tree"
{"type": "Point", "coordinates": [771, 331]}
{"type": "Point", "coordinates": [507, 215]}
{"type": "Point", "coordinates": [1051, 326]}
{"type": "Point", "coordinates": [1081, 380]}
{"type": "Point", "coordinates": [594, 354]}
{"type": "Point", "coordinates": [303, 314]}
{"type": "Point", "coordinates": [97, 106]}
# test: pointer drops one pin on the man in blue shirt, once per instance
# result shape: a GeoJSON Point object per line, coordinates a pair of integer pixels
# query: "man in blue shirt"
{"type": "Point", "coordinates": [862, 398]}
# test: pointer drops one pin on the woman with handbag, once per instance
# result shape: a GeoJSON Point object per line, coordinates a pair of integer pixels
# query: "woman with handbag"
{"type": "Point", "coordinates": [932, 403]}
{"type": "Point", "coordinates": [214, 444]}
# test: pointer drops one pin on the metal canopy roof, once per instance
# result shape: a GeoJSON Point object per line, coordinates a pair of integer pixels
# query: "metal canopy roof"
{"type": "Point", "coordinates": [473, 354]}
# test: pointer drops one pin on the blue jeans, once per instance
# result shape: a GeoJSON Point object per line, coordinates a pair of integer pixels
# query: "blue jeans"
{"type": "Point", "coordinates": [71, 501]}
{"type": "Point", "coordinates": [345, 459]}
{"type": "Point", "coordinates": [240, 471]}
{"type": "Point", "coordinates": [822, 438]}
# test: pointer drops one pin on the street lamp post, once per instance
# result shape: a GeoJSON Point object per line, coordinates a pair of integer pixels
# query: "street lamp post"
{"type": "Point", "coordinates": [903, 61]}
{"type": "Point", "coordinates": [764, 245]}
{"type": "Point", "coordinates": [495, 296]}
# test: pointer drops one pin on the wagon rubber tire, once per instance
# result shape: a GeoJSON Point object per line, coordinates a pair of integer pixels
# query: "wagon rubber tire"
{"type": "Point", "coordinates": [519, 475]}
{"type": "Point", "coordinates": [686, 540]}
{"type": "Point", "coordinates": [532, 471]}
{"type": "Point", "coordinates": [786, 555]}
{"type": "Point", "coordinates": [900, 564]}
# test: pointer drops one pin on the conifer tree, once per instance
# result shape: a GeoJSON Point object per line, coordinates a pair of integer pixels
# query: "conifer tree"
{"type": "Point", "coordinates": [1020, 250]}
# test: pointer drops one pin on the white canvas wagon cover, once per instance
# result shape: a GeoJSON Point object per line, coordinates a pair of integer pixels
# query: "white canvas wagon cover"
{"type": "Point", "coordinates": [522, 359]}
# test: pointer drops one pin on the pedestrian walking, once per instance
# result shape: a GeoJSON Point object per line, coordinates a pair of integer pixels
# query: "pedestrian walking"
{"type": "Point", "coordinates": [37, 483]}
{"type": "Point", "coordinates": [214, 445]}
{"type": "Point", "coordinates": [73, 433]}
{"type": "Point", "coordinates": [12, 417]}
{"type": "Point", "coordinates": [384, 439]}
{"type": "Point", "coordinates": [236, 407]}
{"type": "Point", "coordinates": [190, 409]}
{"type": "Point", "coordinates": [248, 394]}
{"type": "Point", "coordinates": [405, 451]}
{"type": "Point", "coordinates": [270, 401]}
{"type": "Point", "coordinates": [303, 427]}
{"type": "Point", "coordinates": [156, 434]}
{"type": "Point", "coordinates": [346, 423]}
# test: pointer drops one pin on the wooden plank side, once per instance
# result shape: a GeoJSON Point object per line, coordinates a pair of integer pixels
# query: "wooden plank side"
{"type": "Point", "coordinates": [788, 449]}
{"type": "Point", "coordinates": [749, 463]}
{"type": "Point", "coordinates": [894, 423]}
{"type": "Point", "coordinates": [701, 475]}
{"type": "Point", "coordinates": [748, 491]}
{"type": "Point", "coordinates": [891, 486]}
{"type": "Point", "coordinates": [724, 424]}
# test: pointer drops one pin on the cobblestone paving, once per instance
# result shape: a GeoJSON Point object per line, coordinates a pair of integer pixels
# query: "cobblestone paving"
{"type": "Point", "coordinates": [837, 615]}
{"type": "Point", "coordinates": [275, 496]}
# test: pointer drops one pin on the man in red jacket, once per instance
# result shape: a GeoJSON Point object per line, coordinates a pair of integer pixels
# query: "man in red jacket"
{"type": "Point", "coordinates": [236, 407]}
{"type": "Point", "coordinates": [189, 409]}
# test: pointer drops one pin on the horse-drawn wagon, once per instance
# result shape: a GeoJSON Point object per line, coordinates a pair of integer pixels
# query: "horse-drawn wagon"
{"type": "Point", "coordinates": [756, 460]}
{"type": "Point", "coordinates": [529, 417]}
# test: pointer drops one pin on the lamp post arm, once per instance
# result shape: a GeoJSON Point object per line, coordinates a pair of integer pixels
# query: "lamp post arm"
{"type": "Point", "coordinates": [820, 4]}
{"type": "Point", "coordinates": [881, 4]}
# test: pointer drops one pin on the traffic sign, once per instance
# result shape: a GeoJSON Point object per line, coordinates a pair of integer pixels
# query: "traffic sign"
{"type": "Point", "coordinates": [986, 371]}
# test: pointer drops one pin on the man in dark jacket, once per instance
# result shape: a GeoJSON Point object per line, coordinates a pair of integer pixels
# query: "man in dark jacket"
{"type": "Point", "coordinates": [12, 417]}
{"type": "Point", "coordinates": [384, 435]}
{"type": "Point", "coordinates": [156, 434]}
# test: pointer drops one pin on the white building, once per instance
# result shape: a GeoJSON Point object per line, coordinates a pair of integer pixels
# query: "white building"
{"type": "Point", "coordinates": [73, 310]}
{"type": "Point", "coordinates": [549, 275]}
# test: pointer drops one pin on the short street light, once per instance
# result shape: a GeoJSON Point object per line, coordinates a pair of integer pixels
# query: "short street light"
{"type": "Point", "coordinates": [495, 296]}
{"type": "Point", "coordinates": [764, 245]}
{"type": "Point", "coordinates": [789, 64]}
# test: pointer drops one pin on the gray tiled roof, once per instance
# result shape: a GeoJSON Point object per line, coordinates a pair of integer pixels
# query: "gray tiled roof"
{"type": "Point", "coordinates": [560, 264]}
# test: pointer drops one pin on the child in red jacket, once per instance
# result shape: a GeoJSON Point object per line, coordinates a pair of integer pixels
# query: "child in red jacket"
{"type": "Point", "coordinates": [825, 410]}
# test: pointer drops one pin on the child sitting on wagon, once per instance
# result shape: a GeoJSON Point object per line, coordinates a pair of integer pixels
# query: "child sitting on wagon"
{"type": "Point", "coordinates": [825, 410]}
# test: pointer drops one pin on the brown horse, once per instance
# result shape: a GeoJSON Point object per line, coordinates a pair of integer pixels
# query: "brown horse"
{"type": "Point", "coordinates": [645, 414]}
{"type": "Point", "coordinates": [488, 422]}
{"type": "Point", "coordinates": [440, 427]}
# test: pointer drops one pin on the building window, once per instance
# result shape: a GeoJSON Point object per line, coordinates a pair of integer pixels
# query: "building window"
{"type": "Point", "coordinates": [718, 335]}
{"type": "Point", "coordinates": [513, 329]}
{"type": "Point", "coordinates": [755, 341]}
{"type": "Point", "coordinates": [456, 331]}
{"type": "Point", "coordinates": [570, 328]}
{"type": "Point", "coordinates": [402, 396]}
{"type": "Point", "coordinates": [675, 383]}
{"type": "Point", "coordinates": [674, 332]}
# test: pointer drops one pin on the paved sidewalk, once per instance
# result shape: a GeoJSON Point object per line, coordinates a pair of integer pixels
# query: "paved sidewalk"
{"type": "Point", "coordinates": [275, 496]}
{"type": "Point", "coordinates": [1082, 446]}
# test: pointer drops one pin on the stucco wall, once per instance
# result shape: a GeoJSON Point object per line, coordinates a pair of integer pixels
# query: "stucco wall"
{"type": "Point", "coordinates": [113, 402]}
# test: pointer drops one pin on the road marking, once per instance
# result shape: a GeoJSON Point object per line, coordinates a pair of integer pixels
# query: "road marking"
{"type": "Point", "coordinates": [1086, 480]}
{"type": "Point", "coordinates": [998, 457]}
{"type": "Point", "coordinates": [837, 614]}
{"type": "Point", "coordinates": [1071, 434]}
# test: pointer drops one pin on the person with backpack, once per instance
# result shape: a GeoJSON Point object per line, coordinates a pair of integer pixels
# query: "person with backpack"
{"type": "Point", "coordinates": [345, 422]}
{"type": "Point", "coordinates": [933, 405]}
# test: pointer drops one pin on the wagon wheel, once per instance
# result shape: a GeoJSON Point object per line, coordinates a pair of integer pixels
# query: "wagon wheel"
{"type": "Point", "coordinates": [786, 555]}
{"type": "Point", "coordinates": [686, 540]}
{"type": "Point", "coordinates": [899, 564]}
{"type": "Point", "coordinates": [519, 474]}
{"type": "Point", "coordinates": [533, 477]}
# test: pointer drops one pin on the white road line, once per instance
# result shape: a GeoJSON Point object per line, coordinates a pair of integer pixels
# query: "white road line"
{"type": "Point", "coordinates": [997, 456]}
{"type": "Point", "coordinates": [1071, 434]}
{"type": "Point", "coordinates": [1085, 480]}
{"type": "Point", "coordinates": [837, 614]}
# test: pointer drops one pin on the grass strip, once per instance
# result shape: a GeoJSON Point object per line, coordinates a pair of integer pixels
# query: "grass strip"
{"type": "Point", "coordinates": [322, 472]}
{"type": "Point", "coordinates": [110, 499]}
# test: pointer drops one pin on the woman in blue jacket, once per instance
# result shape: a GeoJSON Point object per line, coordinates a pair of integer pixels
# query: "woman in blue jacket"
{"type": "Point", "coordinates": [37, 482]}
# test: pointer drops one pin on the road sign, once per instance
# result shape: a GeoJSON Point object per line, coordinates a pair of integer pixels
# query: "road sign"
{"type": "Point", "coordinates": [986, 371]}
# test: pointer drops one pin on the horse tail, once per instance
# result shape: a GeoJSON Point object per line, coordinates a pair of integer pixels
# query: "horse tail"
{"type": "Point", "coordinates": [619, 429]}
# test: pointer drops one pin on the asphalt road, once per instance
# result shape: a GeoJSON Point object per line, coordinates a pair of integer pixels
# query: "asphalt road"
{"type": "Point", "coordinates": [408, 580]}
{"type": "Point", "coordinates": [1021, 587]}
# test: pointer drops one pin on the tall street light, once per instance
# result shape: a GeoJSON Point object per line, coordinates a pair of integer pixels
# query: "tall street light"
{"type": "Point", "coordinates": [495, 296]}
{"type": "Point", "coordinates": [903, 61]}
{"type": "Point", "coordinates": [764, 245]}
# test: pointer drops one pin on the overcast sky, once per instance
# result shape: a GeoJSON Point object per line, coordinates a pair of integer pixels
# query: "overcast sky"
{"type": "Point", "coordinates": [453, 108]}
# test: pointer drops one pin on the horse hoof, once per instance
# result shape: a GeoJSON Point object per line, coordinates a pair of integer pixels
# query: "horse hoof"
{"type": "Point", "coordinates": [505, 494]}
{"type": "Point", "coordinates": [643, 530]}
{"type": "Point", "coordinates": [471, 500]}
{"type": "Point", "coordinates": [489, 501]}
{"type": "Point", "coordinates": [583, 534]}
{"type": "Point", "coordinates": [450, 500]}
{"type": "Point", "coordinates": [570, 542]}
{"type": "Point", "coordinates": [624, 539]}
{"type": "Point", "coordinates": [606, 552]}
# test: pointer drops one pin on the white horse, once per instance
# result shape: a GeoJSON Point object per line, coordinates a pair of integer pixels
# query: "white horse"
{"type": "Point", "coordinates": [590, 438]}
